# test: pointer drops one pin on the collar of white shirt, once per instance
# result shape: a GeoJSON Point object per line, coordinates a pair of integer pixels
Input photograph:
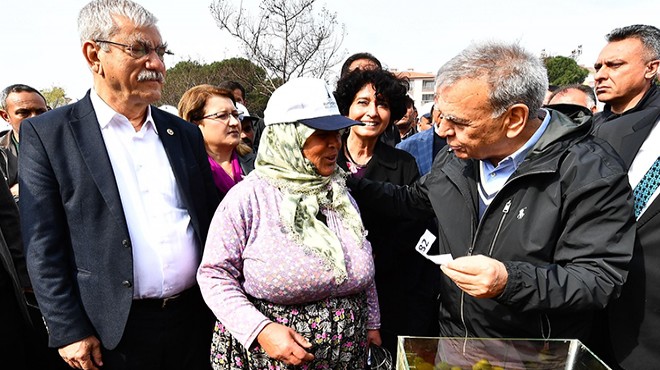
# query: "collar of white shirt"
{"type": "Point", "coordinates": [105, 114]}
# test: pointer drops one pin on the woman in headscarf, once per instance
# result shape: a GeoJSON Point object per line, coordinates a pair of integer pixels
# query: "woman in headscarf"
{"type": "Point", "coordinates": [214, 111]}
{"type": "Point", "coordinates": [286, 268]}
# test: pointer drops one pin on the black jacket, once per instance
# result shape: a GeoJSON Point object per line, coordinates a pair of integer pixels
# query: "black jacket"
{"type": "Point", "coordinates": [387, 236]}
{"type": "Point", "coordinates": [650, 99]}
{"type": "Point", "coordinates": [8, 159]}
{"type": "Point", "coordinates": [634, 318]}
{"type": "Point", "coordinates": [406, 282]}
{"type": "Point", "coordinates": [562, 225]}
{"type": "Point", "coordinates": [13, 270]}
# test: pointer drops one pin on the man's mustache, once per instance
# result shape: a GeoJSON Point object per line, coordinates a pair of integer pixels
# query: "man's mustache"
{"type": "Point", "coordinates": [148, 75]}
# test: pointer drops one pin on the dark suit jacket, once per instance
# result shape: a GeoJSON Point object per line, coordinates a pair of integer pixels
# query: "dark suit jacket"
{"type": "Point", "coordinates": [77, 243]}
{"type": "Point", "coordinates": [635, 317]}
{"type": "Point", "coordinates": [13, 271]}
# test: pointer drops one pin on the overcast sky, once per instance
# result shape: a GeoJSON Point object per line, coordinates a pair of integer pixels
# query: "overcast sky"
{"type": "Point", "coordinates": [40, 46]}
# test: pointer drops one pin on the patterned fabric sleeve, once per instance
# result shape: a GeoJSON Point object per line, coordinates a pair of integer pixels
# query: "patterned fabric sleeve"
{"type": "Point", "coordinates": [220, 273]}
{"type": "Point", "coordinates": [373, 320]}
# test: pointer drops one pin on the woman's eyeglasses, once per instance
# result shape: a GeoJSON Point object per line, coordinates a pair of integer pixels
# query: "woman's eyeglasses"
{"type": "Point", "coordinates": [223, 116]}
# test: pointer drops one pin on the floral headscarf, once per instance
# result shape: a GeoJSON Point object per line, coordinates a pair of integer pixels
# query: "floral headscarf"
{"type": "Point", "coordinates": [281, 162]}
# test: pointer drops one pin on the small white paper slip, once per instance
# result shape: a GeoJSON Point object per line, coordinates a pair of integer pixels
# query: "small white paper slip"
{"type": "Point", "coordinates": [424, 245]}
{"type": "Point", "coordinates": [440, 259]}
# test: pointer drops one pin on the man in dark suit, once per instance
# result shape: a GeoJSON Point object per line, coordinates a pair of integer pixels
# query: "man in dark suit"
{"type": "Point", "coordinates": [117, 197]}
{"type": "Point", "coordinates": [625, 73]}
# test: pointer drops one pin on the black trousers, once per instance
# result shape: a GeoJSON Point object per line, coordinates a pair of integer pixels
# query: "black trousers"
{"type": "Point", "coordinates": [165, 335]}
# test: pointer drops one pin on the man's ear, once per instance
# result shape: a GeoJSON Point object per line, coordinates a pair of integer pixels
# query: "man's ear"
{"type": "Point", "coordinates": [91, 54]}
{"type": "Point", "coordinates": [652, 69]}
{"type": "Point", "coordinates": [4, 115]}
{"type": "Point", "coordinates": [516, 119]}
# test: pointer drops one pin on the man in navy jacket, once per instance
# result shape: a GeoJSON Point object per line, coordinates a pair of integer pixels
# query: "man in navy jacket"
{"type": "Point", "coordinates": [117, 197]}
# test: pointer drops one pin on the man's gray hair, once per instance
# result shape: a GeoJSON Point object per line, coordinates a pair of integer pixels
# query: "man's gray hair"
{"type": "Point", "coordinates": [513, 74]}
{"type": "Point", "coordinates": [648, 35]}
{"type": "Point", "coordinates": [95, 21]}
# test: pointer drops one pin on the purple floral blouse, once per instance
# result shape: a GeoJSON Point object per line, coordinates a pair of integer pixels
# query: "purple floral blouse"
{"type": "Point", "coordinates": [249, 253]}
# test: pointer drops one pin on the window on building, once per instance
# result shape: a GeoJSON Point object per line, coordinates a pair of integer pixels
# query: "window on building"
{"type": "Point", "coordinates": [427, 98]}
{"type": "Point", "coordinates": [428, 85]}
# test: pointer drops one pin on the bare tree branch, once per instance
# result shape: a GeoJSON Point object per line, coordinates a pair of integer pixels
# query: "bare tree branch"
{"type": "Point", "coordinates": [287, 39]}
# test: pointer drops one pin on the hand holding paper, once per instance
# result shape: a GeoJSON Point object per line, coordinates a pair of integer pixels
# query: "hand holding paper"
{"type": "Point", "coordinates": [479, 276]}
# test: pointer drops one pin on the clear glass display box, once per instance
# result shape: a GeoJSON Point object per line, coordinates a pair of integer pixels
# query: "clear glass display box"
{"type": "Point", "coordinates": [422, 353]}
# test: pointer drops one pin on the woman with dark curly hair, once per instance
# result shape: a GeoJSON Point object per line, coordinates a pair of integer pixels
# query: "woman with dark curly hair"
{"type": "Point", "coordinates": [374, 97]}
{"type": "Point", "coordinates": [404, 279]}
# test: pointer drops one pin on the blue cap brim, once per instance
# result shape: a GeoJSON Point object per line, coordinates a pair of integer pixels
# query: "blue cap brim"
{"type": "Point", "coordinates": [329, 123]}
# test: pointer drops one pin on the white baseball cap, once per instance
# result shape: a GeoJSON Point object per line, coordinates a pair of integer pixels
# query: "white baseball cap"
{"type": "Point", "coordinates": [245, 114]}
{"type": "Point", "coordinates": [308, 101]}
{"type": "Point", "coordinates": [170, 109]}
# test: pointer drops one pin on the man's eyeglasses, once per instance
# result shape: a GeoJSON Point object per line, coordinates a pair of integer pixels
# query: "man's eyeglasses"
{"type": "Point", "coordinates": [224, 116]}
{"type": "Point", "coordinates": [140, 49]}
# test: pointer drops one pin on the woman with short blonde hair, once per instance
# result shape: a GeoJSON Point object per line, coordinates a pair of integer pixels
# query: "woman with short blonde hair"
{"type": "Point", "coordinates": [213, 110]}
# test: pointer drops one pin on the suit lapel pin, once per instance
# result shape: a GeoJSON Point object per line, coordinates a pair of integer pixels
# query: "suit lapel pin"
{"type": "Point", "coordinates": [170, 132]}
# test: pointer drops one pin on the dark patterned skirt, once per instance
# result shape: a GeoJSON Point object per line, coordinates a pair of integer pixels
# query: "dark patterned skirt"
{"type": "Point", "coordinates": [336, 327]}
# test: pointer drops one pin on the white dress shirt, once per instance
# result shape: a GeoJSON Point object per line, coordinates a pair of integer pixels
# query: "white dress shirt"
{"type": "Point", "coordinates": [165, 250]}
{"type": "Point", "coordinates": [646, 156]}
